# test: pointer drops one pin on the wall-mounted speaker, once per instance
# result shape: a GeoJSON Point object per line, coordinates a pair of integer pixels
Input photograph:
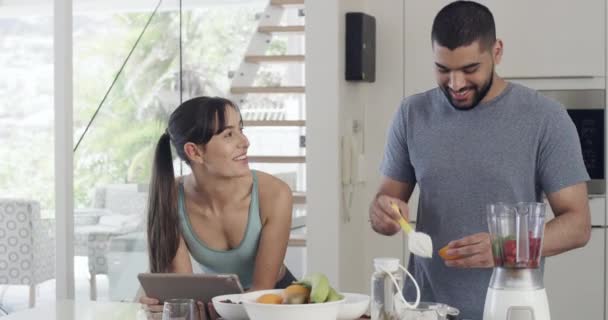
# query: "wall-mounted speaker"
{"type": "Point", "coordinates": [360, 47]}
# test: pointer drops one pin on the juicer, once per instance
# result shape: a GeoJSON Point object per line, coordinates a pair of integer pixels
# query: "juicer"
{"type": "Point", "coordinates": [516, 290]}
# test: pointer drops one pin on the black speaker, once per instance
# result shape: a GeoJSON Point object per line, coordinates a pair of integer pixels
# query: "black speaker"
{"type": "Point", "coordinates": [360, 47]}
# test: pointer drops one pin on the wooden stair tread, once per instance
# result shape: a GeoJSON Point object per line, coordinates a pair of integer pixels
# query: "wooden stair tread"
{"type": "Point", "coordinates": [275, 58]}
{"type": "Point", "coordinates": [277, 159]}
{"type": "Point", "coordinates": [286, 2]}
{"type": "Point", "coordinates": [277, 29]}
{"type": "Point", "coordinates": [275, 123]}
{"type": "Point", "coordinates": [278, 89]}
{"type": "Point", "coordinates": [297, 240]}
{"type": "Point", "coordinates": [299, 197]}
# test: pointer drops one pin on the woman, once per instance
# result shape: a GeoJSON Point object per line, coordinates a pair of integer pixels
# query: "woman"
{"type": "Point", "coordinates": [228, 218]}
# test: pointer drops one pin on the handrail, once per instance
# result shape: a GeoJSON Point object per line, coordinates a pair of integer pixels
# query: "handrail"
{"type": "Point", "coordinates": [86, 129]}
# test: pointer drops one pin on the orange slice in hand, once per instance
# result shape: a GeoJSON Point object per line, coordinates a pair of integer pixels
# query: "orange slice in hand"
{"type": "Point", "coordinates": [443, 253]}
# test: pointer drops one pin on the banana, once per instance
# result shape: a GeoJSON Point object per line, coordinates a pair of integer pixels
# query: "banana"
{"type": "Point", "coordinates": [334, 295]}
{"type": "Point", "coordinates": [319, 287]}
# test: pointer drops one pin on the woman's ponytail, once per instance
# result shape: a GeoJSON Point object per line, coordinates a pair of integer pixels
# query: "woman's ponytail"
{"type": "Point", "coordinates": [163, 239]}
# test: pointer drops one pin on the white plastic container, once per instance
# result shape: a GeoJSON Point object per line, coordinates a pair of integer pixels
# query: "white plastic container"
{"type": "Point", "coordinates": [384, 290]}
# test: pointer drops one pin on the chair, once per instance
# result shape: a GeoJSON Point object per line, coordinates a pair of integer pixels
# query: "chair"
{"type": "Point", "coordinates": [27, 245]}
{"type": "Point", "coordinates": [119, 209]}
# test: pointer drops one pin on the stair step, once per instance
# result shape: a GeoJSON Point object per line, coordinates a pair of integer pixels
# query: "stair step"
{"type": "Point", "coordinates": [275, 58]}
{"type": "Point", "coordinates": [286, 89]}
{"type": "Point", "coordinates": [297, 240]}
{"type": "Point", "coordinates": [277, 159]}
{"type": "Point", "coordinates": [285, 2]}
{"type": "Point", "coordinates": [275, 123]}
{"type": "Point", "coordinates": [281, 29]}
{"type": "Point", "coordinates": [299, 197]}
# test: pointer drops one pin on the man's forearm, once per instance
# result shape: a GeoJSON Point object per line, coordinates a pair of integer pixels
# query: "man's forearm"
{"type": "Point", "coordinates": [566, 232]}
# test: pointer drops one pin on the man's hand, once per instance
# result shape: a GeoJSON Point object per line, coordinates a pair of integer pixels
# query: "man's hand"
{"type": "Point", "coordinates": [383, 218]}
{"type": "Point", "coordinates": [474, 251]}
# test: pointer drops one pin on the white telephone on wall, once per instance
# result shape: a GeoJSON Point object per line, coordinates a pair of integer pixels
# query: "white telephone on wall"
{"type": "Point", "coordinates": [347, 146]}
{"type": "Point", "coordinates": [353, 161]}
{"type": "Point", "coordinates": [353, 166]}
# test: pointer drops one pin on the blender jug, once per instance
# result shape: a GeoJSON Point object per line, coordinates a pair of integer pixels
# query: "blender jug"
{"type": "Point", "coordinates": [516, 232]}
{"type": "Point", "coordinates": [516, 289]}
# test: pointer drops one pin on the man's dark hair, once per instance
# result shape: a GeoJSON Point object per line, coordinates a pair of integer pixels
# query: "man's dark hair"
{"type": "Point", "coordinates": [461, 23]}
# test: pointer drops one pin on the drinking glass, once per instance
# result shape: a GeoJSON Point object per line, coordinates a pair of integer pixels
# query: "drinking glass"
{"type": "Point", "coordinates": [180, 309]}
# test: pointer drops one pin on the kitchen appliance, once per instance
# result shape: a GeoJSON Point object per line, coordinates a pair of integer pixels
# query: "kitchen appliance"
{"type": "Point", "coordinates": [516, 290]}
{"type": "Point", "coordinates": [586, 109]}
{"type": "Point", "coordinates": [590, 127]}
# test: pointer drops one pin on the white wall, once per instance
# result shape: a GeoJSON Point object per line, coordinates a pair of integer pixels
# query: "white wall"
{"type": "Point", "coordinates": [323, 127]}
{"type": "Point", "coordinates": [352, 222]}
{"type": "Point", "coordinates": [340, 240]}
{"type": "Point", "coordinates": [383, 98]}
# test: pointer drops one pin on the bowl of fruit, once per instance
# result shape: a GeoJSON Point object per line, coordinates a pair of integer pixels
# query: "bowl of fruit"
{"type": "Point", "coordinates": [355, 305]}
{"type": "Point", "coordinates": [310, 298]}
{"type": "Point", "coordinates": [230, 307]}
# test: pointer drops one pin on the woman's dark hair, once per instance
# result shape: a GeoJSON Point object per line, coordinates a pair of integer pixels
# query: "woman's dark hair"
{"type": "Point", "coordinates": [460, 23]}
{"type": "Point", "coordinates": [196, 120]}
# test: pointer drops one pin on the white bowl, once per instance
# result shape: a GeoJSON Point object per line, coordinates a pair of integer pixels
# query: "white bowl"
{"type": "Point", "coordinates": [354, 306]}
{"type": "Point", "coordinates": [230, 311]}
{"type": "Point", "coordinates": [312, 311]}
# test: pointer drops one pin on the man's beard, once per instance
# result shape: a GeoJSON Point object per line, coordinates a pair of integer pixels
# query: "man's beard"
{"type": "Point", "coordinates": [478, 94]}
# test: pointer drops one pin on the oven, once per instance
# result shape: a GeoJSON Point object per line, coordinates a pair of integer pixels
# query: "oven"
{"type": "Point", "coordinates": [586, 108]}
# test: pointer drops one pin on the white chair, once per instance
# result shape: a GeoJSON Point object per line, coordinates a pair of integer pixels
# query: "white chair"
{"type": "Point", "coordinates": [27, 245]}
{"type": "Point", "coordinates": [118, 209]}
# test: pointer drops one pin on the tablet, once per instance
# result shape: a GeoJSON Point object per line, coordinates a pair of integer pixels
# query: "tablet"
{"type": "Point", "coordinates": [201, 287]}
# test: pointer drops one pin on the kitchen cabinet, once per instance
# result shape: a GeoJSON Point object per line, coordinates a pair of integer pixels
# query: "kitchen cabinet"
{"type": "Point", "coordinates": [551, 38]}
{"type": "Point", "coordinates": [575, 280]}
{"type": "Point", "coordinates": [542, 39]}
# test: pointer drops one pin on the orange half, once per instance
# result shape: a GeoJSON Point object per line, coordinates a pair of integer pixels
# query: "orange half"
{"type": "Point", "coordinates": [444, 255]}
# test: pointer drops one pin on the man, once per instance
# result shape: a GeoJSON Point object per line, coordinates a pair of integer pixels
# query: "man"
{"type": "Point", "coordinates": [474, 140]}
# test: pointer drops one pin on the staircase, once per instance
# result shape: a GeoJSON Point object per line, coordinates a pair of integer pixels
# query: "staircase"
{"type": "Point", "coordinates": [279, 19]}
{"type": "Point", "coordinates": [269, 27]}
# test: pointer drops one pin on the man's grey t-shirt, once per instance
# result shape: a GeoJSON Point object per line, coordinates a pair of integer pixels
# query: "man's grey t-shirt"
{"type": "Point", "coordinates": [513, 148]}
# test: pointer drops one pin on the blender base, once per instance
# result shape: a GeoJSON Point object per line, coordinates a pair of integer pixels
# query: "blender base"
{"type": "Point", "coordinates": [516, 305]}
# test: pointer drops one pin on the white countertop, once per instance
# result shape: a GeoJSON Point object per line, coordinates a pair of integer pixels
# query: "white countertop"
{"type": "Point", "coordinates": [82, 310]}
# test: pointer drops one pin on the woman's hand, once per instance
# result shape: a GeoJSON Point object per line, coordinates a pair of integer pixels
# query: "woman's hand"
{"type": "Point", "coordinates": [211, 310]}
{"type": "Point", "coordinates": [155, 309]}
{"type": "Point", "coordinates": [151, 304]}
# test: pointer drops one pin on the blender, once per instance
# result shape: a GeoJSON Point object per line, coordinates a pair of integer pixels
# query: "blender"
{"type": "Point", "coordinates": [516, 290]}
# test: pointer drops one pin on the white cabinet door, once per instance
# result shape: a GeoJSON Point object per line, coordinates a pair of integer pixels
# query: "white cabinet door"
{"type": "Point", "coordinates": [551, 38]}
{"type": "Point", "coordinates": [575, 281]}
{"type": "Point", "coordinates": [542, 38]}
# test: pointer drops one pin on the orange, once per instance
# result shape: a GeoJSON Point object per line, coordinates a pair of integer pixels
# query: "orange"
{"type": "Point", "coordinates": [296, 294]}
{"type": "Point", "coordinates": [296, 289]}
{"type": "Point", "coordinates": [270, 298]}
{"type": "Point", "coordinates": [443, 254]}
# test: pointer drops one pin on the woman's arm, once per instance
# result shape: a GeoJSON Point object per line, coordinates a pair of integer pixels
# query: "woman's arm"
{"type": "Point", "coordinates": [276, 206]}
{"type": "Point", "coordinates": [181, 263]}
